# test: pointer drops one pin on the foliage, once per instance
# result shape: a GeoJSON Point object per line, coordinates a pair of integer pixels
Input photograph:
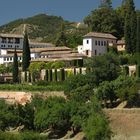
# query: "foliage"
{"type": "Point", "coordinates": [74, 82]}
{"type": "Point", "coordinates": [57, 65]}
{"type": "Point", "coordinates": [105, 68]}
{"type": "Point", "coordinates": [5, 69]}
{"type": "Point", "coordinates": [52, 115]}
{"type": "Point", "coordinates": [123, 88]}
{"type": "Point", "coordinates": [34, 88]}
{"type": "Point", "coordinates": [97, 128]}
{"type": "Point", "coordinates": [35, 69]}
{"type": "Point", "coordinates": [138, 46]}
{"type": "Point", "coordinates": [61, 40]}
{"type": "Point", "coordinates": [130, 27]}
{"type": "Point", "coordinates": [106, 92]}
{"type": "Point", "coordinates": [7, 116]}
{"type": "Point", "coordinates": [105, 20]}
{"type": "Point", "coordinates": [74, 39]}
{"type": "Point", "coordinates": [106, 3]}
{"type": "Point", "coordinates": [22, 136]}
{"type": "Point", "coordinates": [15, 68]}
{"type": "Point", "coordinates": [25, 115]}
{"type": "Point", "coordinates": [26, 53]}
{"type": "Point", "coordinates": [129, 94]}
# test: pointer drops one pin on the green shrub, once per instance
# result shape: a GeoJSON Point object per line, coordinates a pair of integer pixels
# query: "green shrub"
{"type": "Point", "coordinates": [80, 62]}
{"type": "Point", "coordinates": [47, 75]}
{"type": "Point", "coordinates": [57, 65]}
{"type": "Point", "coordinates": [55, 75]}
{"type": "Point", "coordinates": [22, 136]}
{"type": "Point", "coordinates": [62, 74]}
{"type": "Point", "coordinates": [50, 75]}
{"type": "Point", "coordinates": [41, 83]}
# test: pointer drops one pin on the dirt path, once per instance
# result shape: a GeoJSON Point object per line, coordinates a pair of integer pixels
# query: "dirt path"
{"type": "Point", "coordinates": [125, 123]}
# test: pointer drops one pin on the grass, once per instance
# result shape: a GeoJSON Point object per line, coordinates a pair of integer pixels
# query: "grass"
{"type": "Point", "coordinates": [27, 87]}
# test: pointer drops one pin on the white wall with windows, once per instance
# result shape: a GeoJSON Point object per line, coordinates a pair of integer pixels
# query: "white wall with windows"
{"type": "Point", "coordinates": [11, 41]}
{"type": "Point", "coordinates": [93, 46]}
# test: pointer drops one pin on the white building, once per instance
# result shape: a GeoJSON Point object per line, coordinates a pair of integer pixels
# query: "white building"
{"type": "Point", "coordinates": [9, 41]}
{"type": "Point", "coordinates": [121, 45]}
{"type": "Point", "coordinates": [95, 43]}
{"type": "Point", "coordinates": [7, 56]}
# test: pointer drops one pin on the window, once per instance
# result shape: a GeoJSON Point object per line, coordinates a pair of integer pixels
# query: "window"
{"type": "Point", "coordinates": [86, 52]}
{"type": "Point", "coordinates": [96, 42]}
{"type": "Point", "coordinates": [99, 43]}
{"type": "Point", "coordinates": [102, 43]}
{"type": "Point", "coordinates": [95, 52]}
{"type": "Point", "coordinates": [10, 40]}
{"type": "Point", "coordinates": [4, 59]}
{"type": "Point", "coordinates": [3, 40]}
{"type": "Point", "coordinates": [87, 41]}
{"type": "Point", "coordinates": [16, 46]}
{"type": "Point", "coordinates": [17, 40]}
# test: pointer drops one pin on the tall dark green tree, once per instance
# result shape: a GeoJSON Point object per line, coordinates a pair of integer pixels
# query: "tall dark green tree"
{"type": "Point", "coordinates": [138, 46]}
{"type": "Point", "coordinates": [106, 3]}
{"type": "Point", "coordinates": [61, 40]}
{"type": "Point", "coordinates": [15, 68]}
{"type": "Point", "coordinates": [130, 26]}
{"type": "Point", "coordinates": [105, 20]}
{"type": "Point", "coordinates": [26, 53]}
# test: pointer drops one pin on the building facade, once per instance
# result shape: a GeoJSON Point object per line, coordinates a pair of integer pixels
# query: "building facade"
{"type": "Point", "coordinates": [121, 45]}
{"type": "Point", "coordinates": [10, 41]}
{"type": "Point", "coordinates": [95, 44]}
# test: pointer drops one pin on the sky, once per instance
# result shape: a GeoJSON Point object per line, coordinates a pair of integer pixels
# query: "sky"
{"type": "Point", "coordinates": [72, 10]}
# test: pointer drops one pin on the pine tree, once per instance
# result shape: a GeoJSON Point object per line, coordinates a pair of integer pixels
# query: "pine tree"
{"type": "Point", "coordinates": [15, 68]}
{"type": "Point", "coordinates": [130, 26]}
{"type": "Point", "coordinates": [138, 46]}
{"type": "Point", "coordinates": [61, 40]}
{"type": "Point", "coordinates": [26, 53]}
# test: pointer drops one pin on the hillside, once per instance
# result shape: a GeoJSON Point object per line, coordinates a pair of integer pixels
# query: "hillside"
{"type": "Point", "coordinates": [41, 27]}
{"type": "Point", "coordinates": [125, 123]}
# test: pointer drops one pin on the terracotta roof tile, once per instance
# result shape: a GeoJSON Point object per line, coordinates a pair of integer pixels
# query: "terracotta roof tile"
{"type": "Point", "coordinates": [100, 35]}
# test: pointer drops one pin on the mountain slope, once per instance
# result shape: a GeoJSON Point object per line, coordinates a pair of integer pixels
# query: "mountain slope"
{"type": "Point", "coordinates": [41, 27]}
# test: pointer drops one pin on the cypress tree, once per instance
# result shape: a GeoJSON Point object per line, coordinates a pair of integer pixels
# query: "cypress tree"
{"type": "Point", "coordinates": [26, 53]}
{"type": "Point", "coordinates": [106, 3]}
{"type": "Point", "coordinates": [138, 46]}
{"type": "Point", "coordinates": [130, 26]}
{"type": "Point", "coordinates": [15, 68]}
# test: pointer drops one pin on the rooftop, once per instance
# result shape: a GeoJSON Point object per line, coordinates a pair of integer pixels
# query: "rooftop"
{"type": "Point", "coordinates": [11, 35]}
{"type": "Point", "coordinates": [100, 35]}
{"type": "Point", "coordinates": [41, 44]}
{"type": "Point", "coordinates": [119, 42]}
{"type": "Point", "coordinates": [50, 49]}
